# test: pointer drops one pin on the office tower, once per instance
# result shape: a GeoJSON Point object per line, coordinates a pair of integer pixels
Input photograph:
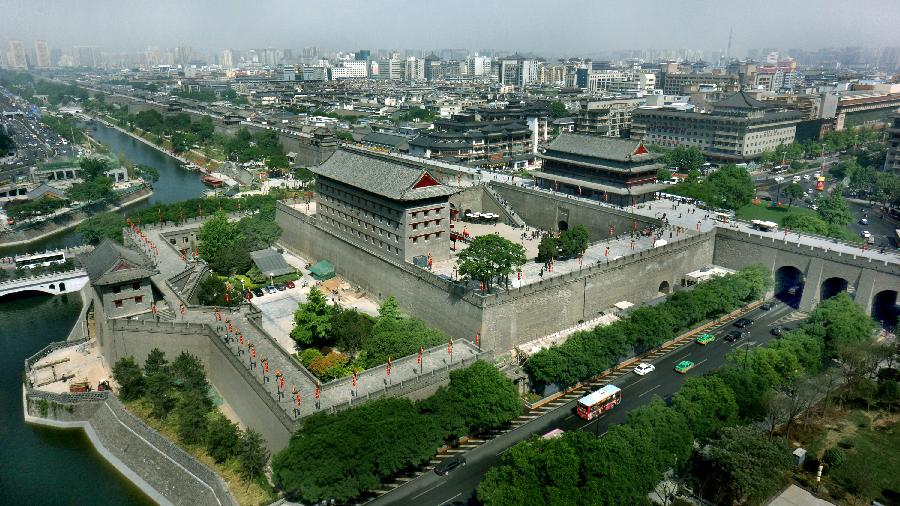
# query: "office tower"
{"type": "Point", "coordinates": [41, 54]}
{"type": "Point", "coordinates": [17, 57]}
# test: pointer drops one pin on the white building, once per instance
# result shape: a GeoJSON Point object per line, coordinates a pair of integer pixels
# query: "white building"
{"type": "Point", "coordinates": [415, 69]}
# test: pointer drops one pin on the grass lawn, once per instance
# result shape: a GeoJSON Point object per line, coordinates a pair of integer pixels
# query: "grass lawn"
{"type": "Point", "coordinates": [776, 214]}
{"type": "Point", "coordinates": [870, 442]}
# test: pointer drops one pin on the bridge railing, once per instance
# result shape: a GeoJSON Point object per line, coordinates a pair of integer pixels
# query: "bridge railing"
{"type": "Point", "coordinates": [42, 277]}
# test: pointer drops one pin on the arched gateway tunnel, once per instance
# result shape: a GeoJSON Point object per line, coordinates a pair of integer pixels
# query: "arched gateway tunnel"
{"type": "Point", "coordinates": [805, 275]}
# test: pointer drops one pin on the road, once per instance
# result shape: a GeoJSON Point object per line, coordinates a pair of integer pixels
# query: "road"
{"type": "Point", "coordinates": [459, 486]}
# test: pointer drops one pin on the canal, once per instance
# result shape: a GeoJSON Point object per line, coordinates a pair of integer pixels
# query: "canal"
{"type": "Point", "coordinates": [51, 466]}
{"type": "Point", "coordinates": [174, 184]}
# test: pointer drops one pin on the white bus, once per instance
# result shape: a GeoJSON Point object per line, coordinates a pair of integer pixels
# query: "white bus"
{"type": "Point", "coordinates": [765, 226]}
{"type": "Point", "coordinates": [45, 259]}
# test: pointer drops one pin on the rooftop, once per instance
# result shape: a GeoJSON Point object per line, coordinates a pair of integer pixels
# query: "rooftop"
{"type": "Point", "coordinates": [383, 175]}
{"type": "Point", "coordinates": [111, 263]}
{"type": "Point", "coordinates": [609, 148]}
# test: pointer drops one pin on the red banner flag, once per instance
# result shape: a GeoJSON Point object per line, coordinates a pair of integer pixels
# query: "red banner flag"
{"type": "Point", "coordinates": [182, 310]}
{"type": "Point", "coordinates": [253, 352]}
{"type": "Point", "coordinates": [281, 383]}
{"type": "Point", "coordinates": [153, 308]}
{"type": "Point", "coordinates": [241, 339]}
{"type": "Point", "coordinates": [298, 399]}
{"type": "Point", "coordinates": [317, 390]}
{"type": "Point", "coordinates": [354, 377]}
{"type": "Point", "coordinates": [266, 367]}
{"type": "Point", "coordinates": [477, 338]}
{"type": "Point", "coordinates": [227, 299]}
{"type": "Point", "coordinates": [229, 327]}
{"type": "Point", "coordinates": [450, 346]}
{"type": "Point", "coordinates": [389, 366]}
{"type": "Point", "coordinates": [419, 360]}
{"type": "Point", "coordinates": [248, 296]}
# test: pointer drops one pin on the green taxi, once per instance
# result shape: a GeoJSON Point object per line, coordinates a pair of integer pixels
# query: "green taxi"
{"type": "Point", "coordinates": [705, 339]}
{"type": "Point", "coordinates": [684, 366]}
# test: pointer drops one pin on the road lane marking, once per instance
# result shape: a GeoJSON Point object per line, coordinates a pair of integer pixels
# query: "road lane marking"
{"type": "Point", "coordinates": [448, 500]}
{"type": "Point", "coordinates": [648, 391]}
{"type": "Point", "coordinates": [425, 492]}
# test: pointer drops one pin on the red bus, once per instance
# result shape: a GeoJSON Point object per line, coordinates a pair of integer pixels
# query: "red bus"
{"type": "Point", "coordinates": [820, 183]}
{"type": "Point", "coordinates": [596, 403]}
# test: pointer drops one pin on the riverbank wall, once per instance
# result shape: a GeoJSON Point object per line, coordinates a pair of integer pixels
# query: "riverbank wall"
{"type": "Point", "coordinates": [166, 473]}
{"type": "Point", "coordinates": [71, 221]}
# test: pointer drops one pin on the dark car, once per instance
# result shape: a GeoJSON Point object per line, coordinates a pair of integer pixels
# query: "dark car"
{"type": "Point", "coordinates": [280, 287]}
{"type": "Point", "coordinates": [734, 335]}
{"type": "Point", "coordinates": [778, 330]}
{"type": "Point", "coordinates": [449, 464]}
{"type": "Point", "coordinates": [258, 292]}
{"type": "Point", "coordinates": [743, 322]}
{"type": "Point", "coordinates": [767, 306]}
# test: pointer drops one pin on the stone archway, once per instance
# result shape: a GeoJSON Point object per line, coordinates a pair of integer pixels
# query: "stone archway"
{"type": "Point", "coordinates": [885, 308]}
{"type": "Point", "coordinates": [563, 225]}
{"type": "Point", "coordinates": [832, 287]}
{"type": "Point", "coordinates": [62, 287]}
{"type": "Point", "coordinates": [789, 284]}
{"type": "Point", "coordinates": [664, 287]}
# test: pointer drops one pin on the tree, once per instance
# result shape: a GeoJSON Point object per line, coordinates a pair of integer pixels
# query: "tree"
{"type": "Point", "coordinates": [791, 192]}
{"type": "Point", "coordinates": [548, 248]}
{"type": "Point", "coordinates": [350, 329]}
{"type": "Point", "coordinates": [574, 241]}
{"type": "Point", "coordinates": [839, 322]}
{"type": "Point", "coordinates": [190, 376]}
{"type": "Point", "coordinates": [741, 465]}
{"type": "Point", "coordinates": [732, 186]}
{"type": "Point", "coordinates": [223, 438]}
{"type": "Point", "coordinates": [479, 397]}
{"type": "Point", "coordinates": [707, 404]}
{"type": "Point", "coordinates": [158, 391]}
{"type": "Point", "coordinates": [399, 338]}
{"type": "Point", "coordinates": [155, 362]}
{"type": "Point", "coordinates": [212, 290]}
{"type": "Point", "coordinates": [98, 189]}
{"type": "Point", "coordinates": [558, 110]}
{"type": "Point", "coordinates": [805, 223]}
{"type": "Point", "coordinates": [887, 189]}
{"type": "Point", "coordinates": [833, 209]}
{"type": "Point", "coordinates": [863, 179]}
{"type": "Point", "coordinates": [101, 226]}
{"type": "Point", "coordinates": [684, 158]}
{"type": "Point", "coordinates": [663, 174]}
{"type": "Point", "coordinates": [313, 320]}
{"type": "Point", "coordinates": [93, 167]}
{"type": "Point", "coordinates": [489, 257]}
{"type": "Point", "coordinates": [190, 417]}
{"type": "Point", "coordinates": [222, 245]}
{"type": "Point", "coordinates": [252, 455]}
{"type": "Point", "coordinates": [390, 310]}
{"type": "Point", "coordinates": [128, 375]}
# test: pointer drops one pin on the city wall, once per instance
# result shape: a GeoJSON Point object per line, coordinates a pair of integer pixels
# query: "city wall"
{"type": "Point", "coordinates": [508, 319]}
{"type": "Point", "coordinates": [548, 211]}
{"type": "Point", "coordinates": [865, 277]}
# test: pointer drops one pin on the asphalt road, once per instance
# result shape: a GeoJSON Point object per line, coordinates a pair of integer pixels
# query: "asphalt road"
{"type": "Point", "coordinates": [459, 486]}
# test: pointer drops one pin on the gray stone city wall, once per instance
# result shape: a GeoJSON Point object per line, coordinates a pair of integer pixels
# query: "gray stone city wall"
{"type": "Point", "coordinates": [546, 210]}
{"type": "Point", "coordinates": [865, 277]}
{"type": "Point", "coordinates": [477, 199]}
{"type": "Point", "coordinates": [419, 292]}
{"type": "Point", "coordinates": [138, 338]}
{"type": "Point", "coordinates": [504, 320]}
{"type": "Point", "coordinates": [561, 302]}
{"type": "Point", "coordinates": [167, 474]}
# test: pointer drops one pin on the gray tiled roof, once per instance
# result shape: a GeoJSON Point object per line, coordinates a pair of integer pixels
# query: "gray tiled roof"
{"type": "Point", "coordinates": [383, 175]}
{"type": "Point", "coordinates": [740, 100]}
{"type": "Point", "coordinates": [270, 262]}
{"type": "Point", "coordinates": [609, 148]}
{"type": "Point", "coordinates": [394, 141]}
{"type": "Point", "coordinates": [100, 262]}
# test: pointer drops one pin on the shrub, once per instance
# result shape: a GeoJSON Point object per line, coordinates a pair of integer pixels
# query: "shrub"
{"type": "Point", "coordinates": [834, 457]}
{"type": "Point", "coordinates": [322, 364]}
{"type": "Point", "coordinates": [309, 355]}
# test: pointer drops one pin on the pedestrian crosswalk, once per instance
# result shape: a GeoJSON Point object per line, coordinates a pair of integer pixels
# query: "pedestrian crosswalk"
{"type": "Point", "coordinates": [791, 317]}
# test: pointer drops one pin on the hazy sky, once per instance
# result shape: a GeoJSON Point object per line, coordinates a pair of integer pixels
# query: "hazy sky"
{"type": "Point", "coordinates": [547, 27]}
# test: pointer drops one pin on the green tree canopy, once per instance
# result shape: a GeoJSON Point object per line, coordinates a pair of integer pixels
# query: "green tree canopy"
{"type": "Point", "coordinates": [223, 246]}
{"type": "Point", "coordinates": [833, 208]}
{"type": "Point", "coordinates": [313, 320]}
{"type": "Point", "coordinates": [791, 192]}
{"type": "Point", "coordinates": [490, 256]}
{"type": "Point", "coordinates": [350, 329]}
{"type": "Point", "coordinates": [732, 186]}
{"type": "Point", "coordinates": [128, 375]}
{"type": "Point", "coordinates": [558, 110]}
{"type": "Point", "coordinates": [399, 338]}
{"type": "Point", "coordinates": [222, 439]}
{"type": "Point", "coordinates": [252, 455]}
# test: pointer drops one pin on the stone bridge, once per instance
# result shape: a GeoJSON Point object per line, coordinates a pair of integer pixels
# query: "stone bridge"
{"type": "Point", "coordinates": [53, 283]}
{"type": "Point", "coordinates": [814, 272]}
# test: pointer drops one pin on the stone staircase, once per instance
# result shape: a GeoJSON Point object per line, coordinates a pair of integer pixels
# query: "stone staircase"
{"type": "Point", "coordinates": [508, 214]}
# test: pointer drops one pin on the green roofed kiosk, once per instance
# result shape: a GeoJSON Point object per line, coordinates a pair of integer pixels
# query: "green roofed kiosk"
{"type": "Point", "coordinates": [322, 270]}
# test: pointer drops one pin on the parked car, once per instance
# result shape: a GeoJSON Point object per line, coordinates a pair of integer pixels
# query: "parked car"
{"type": "Point", "coordinates": [280, 287]}
{"type": "Point", "coordinates": [445, 466]}
{"type": "Point", "coordinates": [258, 292]}
{"type": "Point", "coordinates": [778, 330]}
{"type": "Point", "coordinates": [768, 305]}
{"type": "Point", "coordinates": [743, 322]}
{"type": "Point", "coordinates": [290, 284]}
{"type": "Point", "coordinates": [271, 289]}
{"type": "Point", "coordinates": [684, 366]}
{"type": "Point", "coordinates": [644, 368]}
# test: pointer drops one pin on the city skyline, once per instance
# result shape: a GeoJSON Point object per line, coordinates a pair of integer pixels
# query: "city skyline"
{"type": "Point", "coordinates": [470, 25]}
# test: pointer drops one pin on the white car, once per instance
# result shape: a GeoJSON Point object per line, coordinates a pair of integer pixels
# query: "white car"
{"type": "Point", "coordinates": [816, 175]}
{"type": "Point", "coordinates": [779, 179]}
{"type": "Point", "coordinates": [863, 221]}
{"type": "Point", "coordinates": [806, 177]}
{"type": "Point", "coordinates": [643, 369]}
{"type": "Point", "coordinates": [866, 234]}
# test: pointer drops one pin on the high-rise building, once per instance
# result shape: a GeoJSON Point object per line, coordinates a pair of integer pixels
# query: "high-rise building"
{"type": "Point", "coordinates": [892, 161]}
{"type": "Point", "coordinates": [183, 55]}
{"type": "Point", "coordinates": [227, 60]}
{"type": "Point", "coordinates": [41, 54]}
{"type": "Point", "coordinates": [415, 69]}
{"type": "Point", "coordinates": [363, 55]}
{"type": "Point", "coordinates": [86, 56]}
{"type": "Point", "coordinates": [17, 55]}
{"type": "Point", "coordinates": [391, 69]}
